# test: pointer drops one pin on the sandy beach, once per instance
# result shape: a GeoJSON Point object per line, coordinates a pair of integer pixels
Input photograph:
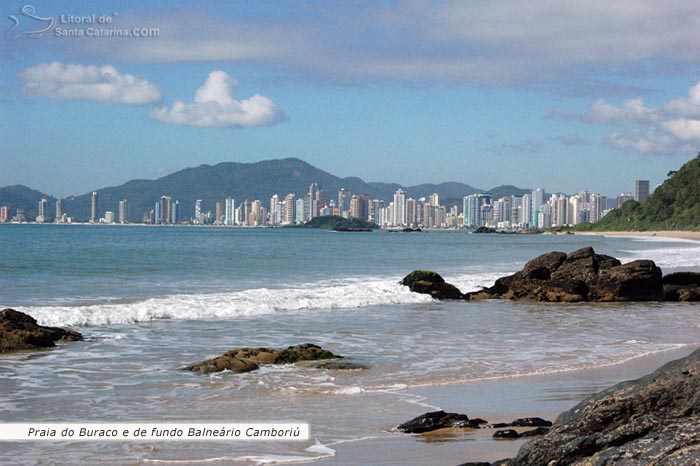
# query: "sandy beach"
{"type": "Point", "coordinates": [498, 400]}
{"type": "Point", "coordinates": [694, 235]}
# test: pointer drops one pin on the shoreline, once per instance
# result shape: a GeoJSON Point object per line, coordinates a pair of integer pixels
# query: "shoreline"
{"type": "Point", "coordinates": [496, 400]}
{"type": "Point", "coordinates": [676, 234]}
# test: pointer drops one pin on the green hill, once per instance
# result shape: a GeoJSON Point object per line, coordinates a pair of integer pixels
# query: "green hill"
{"type": "Point", "coordinates": [213, 183]}
{"type": "Point", "coordinates": [22, 197]}
{"type": "Point", "coordinates": [675, 205]}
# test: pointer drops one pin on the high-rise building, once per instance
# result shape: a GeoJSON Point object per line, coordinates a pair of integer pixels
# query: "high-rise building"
{"type": "Point", "coordinates": [164, 210]}
{"type": "Point", "coordinates": [44, 215]}
{"type": "Point", "coordinates": [289, 209]}
{"type": "Point", "coordinates": [434, 200]}
{"type": "Point", "coordinates": [4, 213]}
{"type": "Point", "coordinates": [175, 213]}
{"type": "Point", "coordinates": [311, 204]}
{"type": "Point", "coordinates": [526, 211]}
{"type": "Point", "coordinates": [199, 211]}
{"type": "Point", "coordinates": [275, 210]}
{"type": "Point", "coordinates": [399, 218]}
{"type": "Point", "coordinates": [472, 208]}
{"type": "Point", "coordinates": [344, 198]}
{"type": "Point", "coordinates": [109, 216]}
{"type": "Point", "coordinates": [59, 211]}
{"type": "Point", "coordinates": [300, 211]}
{"type": "Point", "coordinates": [230, 212]}
{"type": "Point", "coordinates": [411, 212]}
{"type": "Point", "coordinates": [123, 211]}
{"type": "Point", "coordinates": [624, 197]}
{"type": "Point", "coordinates": [219, 212]}
{"type": "Point", "coordinates": [95, 208]}
{"type": "Point", "coordinates": [537, 198]}
{"type": "Point", "coordinates": [641, 191]}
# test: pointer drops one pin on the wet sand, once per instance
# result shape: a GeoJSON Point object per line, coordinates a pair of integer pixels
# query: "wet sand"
{"type": "Point", "coordinates": [662, 233]}
{"type": "Point", "coordinates": [498, 400]}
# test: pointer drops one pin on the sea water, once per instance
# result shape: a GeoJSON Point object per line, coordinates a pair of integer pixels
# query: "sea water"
{"type": "Point", "coordinates": [151, 300]}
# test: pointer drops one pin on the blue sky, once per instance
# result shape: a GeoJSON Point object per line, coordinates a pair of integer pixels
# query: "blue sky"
{"type": "Point", "coordinates": [565, 95]}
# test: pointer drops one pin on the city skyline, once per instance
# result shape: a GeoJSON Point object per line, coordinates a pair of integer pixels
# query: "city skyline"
{"type": "Point", "coordinates": [361, 89]}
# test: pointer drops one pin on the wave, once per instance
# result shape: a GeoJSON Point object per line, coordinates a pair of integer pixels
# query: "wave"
{"type": "Point", "coordinates": [334, 294]}
{"type": "Point", "coordinates": [667, 257]}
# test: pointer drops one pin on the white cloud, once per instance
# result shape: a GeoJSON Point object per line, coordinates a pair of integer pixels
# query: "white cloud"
{"type": "Point", "coordinates": [632, 110]}
{"type": "Point", "coordinates": [80, 82]}
{"type": "Point", "coordinates": [477, 42]}
{"type": "Point", "coordinates": [214, 106]}
{"type": "Point", "coordinates": [667, 129]}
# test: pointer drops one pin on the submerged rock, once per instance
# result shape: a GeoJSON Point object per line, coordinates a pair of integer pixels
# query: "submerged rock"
{"type": "Point", "coordinates": [436, 420]}
{"type": "Point", "coordinates": [20, 331]}
{"type": "Point", "coordinates": [342, 366]}
{"type": "Point", "coordinates": [506, 434]}
{"type": "Point", "coordinates": [651, 420]}
{"type": "Point", "coordinates": [249, 359]}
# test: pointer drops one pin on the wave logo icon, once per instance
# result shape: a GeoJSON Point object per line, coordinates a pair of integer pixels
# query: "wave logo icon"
{"type": "Point", "coordinates": [36, 25]}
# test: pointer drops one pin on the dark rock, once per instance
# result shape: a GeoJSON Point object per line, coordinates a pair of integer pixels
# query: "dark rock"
{"type": "Point", "coordinates": [476, 463]}
{"type": "Point", "coordinates": [506, 434]}
{"type": "Point", "coordinates": [342, 366]}
{"type": "Point", "coordinates": [682, 286]}
{"type": "Point", "coordinates": [681, 293]}
{"type": "Point", "coordinates": [478, 421]}
{"type": "Point", "coordinates": [637, 281]}
{"type": "Point", "coordinates": [482, 230]}
{"type": "Point", "coordinates": [653, 420]}
{"type": "Point", "coordinates": [535, 432]}
{"type": "Point", "coordinates": [435, 420]}
{"type": "Point", "coordinates": [582, 275]}
{"type": "Point", "coordinates": [681, 278]}
{"type": "Point", "coordinates": [19, 331]}
{"type": "Point", "coordinates": [531, 422]}
{"type": "Point", "coordinates": [427, 282]}
{"type": "Point", "coordinates": [248, 359]}
{"type": "Point", "coordinates": [497, 425]}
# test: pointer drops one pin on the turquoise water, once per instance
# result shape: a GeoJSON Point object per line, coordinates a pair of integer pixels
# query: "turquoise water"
{"type": "Point", "coordinates": [151, 300]}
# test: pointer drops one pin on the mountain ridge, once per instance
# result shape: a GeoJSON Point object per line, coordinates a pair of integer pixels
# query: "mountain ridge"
{"type": "Point", "coordinates": [240, 180]}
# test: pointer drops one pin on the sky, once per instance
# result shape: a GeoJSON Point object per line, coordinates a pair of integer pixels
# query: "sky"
{"type": "Point", "coordinates": [566, 95]}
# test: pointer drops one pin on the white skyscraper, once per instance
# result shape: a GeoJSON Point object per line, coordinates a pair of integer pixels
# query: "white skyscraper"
{"type": "Point", "coordinates": [399, 213]}
{"type": "Point", "coordinates": [123, 212]}
{"type": "Point", "coordinates": [230, 212]}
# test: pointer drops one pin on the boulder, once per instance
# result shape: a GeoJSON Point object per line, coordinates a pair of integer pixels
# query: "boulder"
{"type": "Point", "coordinates": [652, 420]}
{"type": "Point", "coordinates": [535, 432]}
{"type": "Point", "coordinates": [428, 282]}
{"type": "Point", "coordinates": [20, 331]}
{"type": "Point", "coordinates": [506, 434]}
{"type": "Point", "coordinates": [531, 422]}
{"type": "Point", "coordinates": [581, 275]}
{"type": "Point", "coordinates": [681, 286]}
{"type": "Point", "coordinates": [436, 420]}
{"type": "Point", "coordinates": [249, 359]}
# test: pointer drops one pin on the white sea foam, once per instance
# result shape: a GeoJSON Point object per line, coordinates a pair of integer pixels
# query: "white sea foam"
{"type": "Point", "coordinates": [667, 257]}
{"type": "Point", "coordinates": [335, 294]}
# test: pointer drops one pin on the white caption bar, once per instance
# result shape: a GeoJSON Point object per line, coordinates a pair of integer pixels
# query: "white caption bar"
{"type": "Point", "coordinates": [154, 431]}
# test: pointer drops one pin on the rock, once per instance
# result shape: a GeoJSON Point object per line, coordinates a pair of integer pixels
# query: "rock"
{"type": "Point", "coordinates": [248, 359]}
{"type": "Point", "coordinates": [653, 420]}
{"type": "Point", "coordinates": [497, 425]}
{"type": "Point", "coordinates": [478, 421]}
{"type": "Point", "coordinates": [682, 286]}
{"type": "Point", "coordinates": [428, 282]}
{"type": "Point", "coordinates": [531, 422]}
{"type": "Point", "coordinates": [506, 434]}
{"type": "Point", "coordinates": [342, 366]}
{"type": "Point", "coordinates": [435, 420]}
{"type": "Point", "coordinates": [20, 331]}
{"type": "Point", "coordinates": [535, 432]}
{"type": "Point", "coordinates": [637, 281]}
{"type": "Point", "coordinates": [581, 275]}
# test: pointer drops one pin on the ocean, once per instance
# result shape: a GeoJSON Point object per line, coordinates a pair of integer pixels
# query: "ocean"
{"type": "Point", "coordinates": [151, 300]}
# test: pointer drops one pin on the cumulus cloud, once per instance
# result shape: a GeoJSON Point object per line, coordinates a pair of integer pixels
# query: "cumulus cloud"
{"type": "Point", "coordinates": [214, 106]}
{"type": "Point", "coordinates": [667, 129]}
{"type": "Point", "coordinates": [80, 82]}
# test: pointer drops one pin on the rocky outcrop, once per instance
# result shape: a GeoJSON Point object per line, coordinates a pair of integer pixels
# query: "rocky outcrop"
{"type": "Point", "coordinates": [249, 359]}
{"type": "Point", "coordinates": [581, 275]}
{"type": "Point", "coordinates": [427, 282]}
{"type": "Point", "coordinates": [682, 286]}
{"type": "Point", "coordinates": [19, 331]}
{"type": "Point", "coordinates": [654, 420]}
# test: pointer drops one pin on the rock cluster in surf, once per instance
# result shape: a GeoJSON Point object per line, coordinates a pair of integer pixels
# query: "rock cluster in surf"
{"type": "Point", "coordinates": [20, 331]}
{"type": "Point", "coordinates": [241, 360]}
{"type": "Point", "coordinates": [582, 275]}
